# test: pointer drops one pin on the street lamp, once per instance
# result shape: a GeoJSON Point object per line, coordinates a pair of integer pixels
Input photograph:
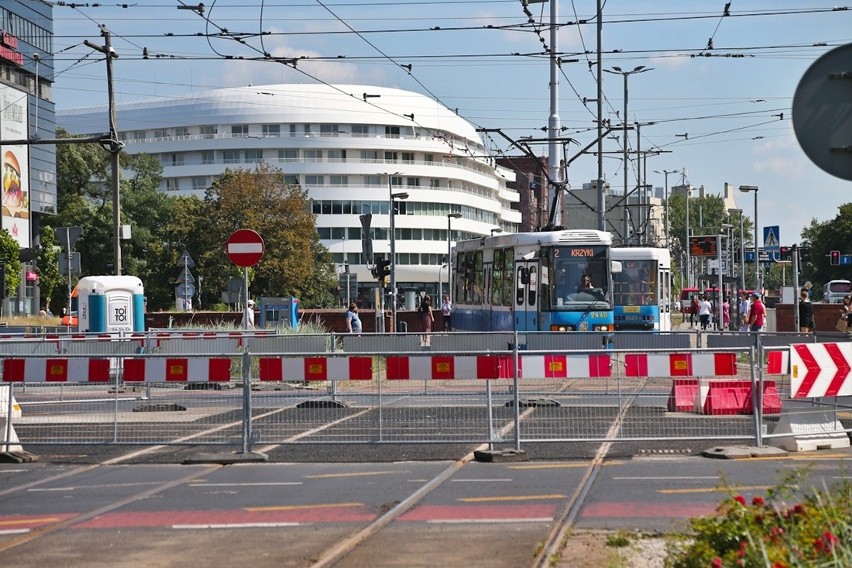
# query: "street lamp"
{"type": "Point", "coordinates": [729, 253]}
{"type": "Point", "coordinates": [450, 217]}
{"type": "Point", "coordinates": [496, 231]}
{"type": "Point", "coordinates": [688, 268]}
{"type": "Point", "coordinates": [739, 212]}
{"type": "Point", "coordinates": [625, 74]}
{"type": "Point", "coordinates": [757, 288]}
{"type": "Point", "coordinates": [393, 199]}
{"type": "Point", "coordinates": [666, 210]}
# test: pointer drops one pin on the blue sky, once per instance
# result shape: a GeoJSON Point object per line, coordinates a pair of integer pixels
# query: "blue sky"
{"type": "Point", "coordinates": [718, 117]}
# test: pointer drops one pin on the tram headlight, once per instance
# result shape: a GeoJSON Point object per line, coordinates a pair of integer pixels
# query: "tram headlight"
{"type": "Point", "coordinates": [601, 328]}
{"type": "Point", "coordinates": [561, 327]}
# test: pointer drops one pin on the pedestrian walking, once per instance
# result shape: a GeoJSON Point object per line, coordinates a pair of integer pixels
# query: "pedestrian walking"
{"type": "Point", "coordinates": [705, 308]}
{"type": "Point", "coordinates": [447, 313]}
{"type": "Point", "coordinates": [757, 313]}
{"type": "Point", "coordinates": [426, 318]}
{"type": "Point", "coordinates": [248, 316]}
{"type": "Point", "coordinates": [353, 321]}
{"type": "Point", "coordinates": [806, 313]}
{"type": "Point", "coordinates": [742, 311]}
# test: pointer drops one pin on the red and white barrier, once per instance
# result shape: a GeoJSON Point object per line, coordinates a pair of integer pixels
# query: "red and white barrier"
{"type": "Point", "coordinates": [820, 369]}
{"type": "Point", "coordinates": [177, 369]}
{"type": "Point", "coordinates": [299, 369]}
{"type": "Point", "coordinates": [56, 370]}
{"type": "Point", "coordinates": [680, 364]}
{"type": "Point", "coordinates": [778, 362]}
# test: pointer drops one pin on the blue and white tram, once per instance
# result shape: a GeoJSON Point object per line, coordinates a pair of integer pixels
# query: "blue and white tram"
{"type": "Point", "coordinates": [543, 281]}
{"type": "Point", "coordinates": [642, 294]}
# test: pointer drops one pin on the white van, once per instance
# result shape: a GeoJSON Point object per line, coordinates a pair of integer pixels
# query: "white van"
{"type": "Point", "coordinates": [834, 291]}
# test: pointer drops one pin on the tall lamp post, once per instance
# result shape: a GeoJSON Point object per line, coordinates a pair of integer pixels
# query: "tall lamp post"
{"type": "Point", "coordinates": [688, 268]}
{"type": "Point", "coordinates": [625, 74]}
{"type": "Point", "coordinates": [757, 288]}
{"type": "Point", "coordinates": [741, 248]}
{"type": "Point", "coordinates": [393, 199]}
{"type": "Point", "coordinates": [666, 209]}
{"type": "Point", "coordinates": [450, 217]}
{"type": "Point", "coordinates": [729, 253]}
{"type": "Point", "coordinates": [496, 230]}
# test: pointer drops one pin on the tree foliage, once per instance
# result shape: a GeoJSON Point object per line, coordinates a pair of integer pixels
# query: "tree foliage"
{"type": "Point", "coordinates": [822, 238]}
{"type": "Point", "coordinates": [294, 262]}
{"type": "Point", "coordinates": [9, 251]}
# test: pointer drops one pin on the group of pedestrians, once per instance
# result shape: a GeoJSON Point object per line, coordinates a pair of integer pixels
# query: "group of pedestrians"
{"type": "Point", "coordinates": [425, 314]}
{"type": "Point", "coordinates": [750, 312]}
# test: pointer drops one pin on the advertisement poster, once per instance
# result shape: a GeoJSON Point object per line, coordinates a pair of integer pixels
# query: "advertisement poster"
{"type": "Point", "coordinates": [15, 164]}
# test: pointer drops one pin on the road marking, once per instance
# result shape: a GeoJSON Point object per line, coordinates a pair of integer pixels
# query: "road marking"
{"type": "Point", "coordinates": [489, 521]}
{"type": "Point", "coordinates": [272, 483]}
{"type": "Point", "coordinates": [511, 498]}
{"type": "Point", "coordinates": [483, 480]}
{"type": "Point", "coordinates": [353, 474]}
{"type": "Point", "coordinates": [14, 531]}
{"type": "Point", "coordinates": [666, 478]}
{"type": "Point", "coordinates": [718, 489]}
{"type": "Point", "coordinates": [78, 487]}
{"type": "Point", "coordinates": [237, 526]}
{"type": "Point", "coordinates": [30, 520]}
{"type": "Point", "coordinates": [563, 465]}
{"type": "Point", "coordinates": [299, 507]}
{"type": "Point", "coordinates": [13, 470]}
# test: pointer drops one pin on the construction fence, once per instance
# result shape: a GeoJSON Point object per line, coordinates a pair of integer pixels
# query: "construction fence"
{"type": "Point", "coordinates": [242, 389]}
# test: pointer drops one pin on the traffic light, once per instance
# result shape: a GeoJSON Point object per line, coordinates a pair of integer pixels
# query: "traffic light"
{"type": "Point", "coordinates": [834, 258]}
{"type": "Point", "coordinates": [383, 271]}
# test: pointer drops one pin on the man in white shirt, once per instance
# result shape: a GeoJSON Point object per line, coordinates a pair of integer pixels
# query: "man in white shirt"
{"type": "Point", "coordinates": [742, 311]}
{"type": "Point", "coordinates": [705, 308]}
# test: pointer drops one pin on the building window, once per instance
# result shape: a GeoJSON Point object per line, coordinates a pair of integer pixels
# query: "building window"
{"type": "Point", "coordinates": [338, 180]}
{"type": "Point", "coordinates": [370, 156]}
{"type": "Point", "coordinates": [182, 132]}
{"type": "Point", "coordinates": [291, 179]}
{"type": "Point", "coordinates": [239, 130]}
{"type": "Point", "coordinates": [408, 157]}
{"type": "Point", "coordinates": [208, 157]}
{"type": "Point", "coordinates": [199, 183]}
{"type": "Point", "coordinates": [209, 131]}
{"type": "Point", "coordinates": [273, 130]}
{"type": "Point", "coordinates": [312, 155]}
{"type": "Point", "coordinates": [360, 130]}
{"type": "Point", "coordinates": [372, 181]}
{"type": "Point", "coordinates": [288, 155]}
{"type": "Point", "coordinates": [336, 155]}
{"type": "Point", "coordinates": [329, 129]}
{"type": "Point", "coordinates": [161, 133]}
{"type": "Point", "coordinates": [254, 155]}
{"type": "Point", "coordinates": [172, 184]}
{"type": "Point", "coordinates": [392, 131]}
{"type": "Point", "coordinates": [391, 156]}
{"type": "Point", "coordinates": [314, 181]}
{"type": "Point", "coordinates": [231, 156]}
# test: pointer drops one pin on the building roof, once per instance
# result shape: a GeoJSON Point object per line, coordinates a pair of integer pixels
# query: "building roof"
{"type": "Point", "coordinates": [284, 103]}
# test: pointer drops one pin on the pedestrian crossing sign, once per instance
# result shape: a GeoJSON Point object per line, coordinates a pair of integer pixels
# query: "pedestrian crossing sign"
{"type": "Point", "coordinates": [771, 239]}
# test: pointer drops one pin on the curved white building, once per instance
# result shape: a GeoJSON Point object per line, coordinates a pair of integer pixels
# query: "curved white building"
{"type": "Point", "coordinates": [350, 146]}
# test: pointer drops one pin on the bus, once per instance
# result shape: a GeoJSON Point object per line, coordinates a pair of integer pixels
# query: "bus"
{"type": "Point", "coordinates": [540, 281]}
{"type": "Point", "coordinates": [642, 292]}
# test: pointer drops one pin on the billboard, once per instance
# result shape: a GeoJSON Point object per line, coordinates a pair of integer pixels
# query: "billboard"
{"type": "Point", "coordinates": [14, 161]}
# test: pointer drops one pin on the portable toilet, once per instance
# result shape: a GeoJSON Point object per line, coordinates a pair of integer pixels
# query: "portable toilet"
{"type": "Point", "coordinates": [279, 312]}
{"type": "Point", "coordinates": [110, 304]}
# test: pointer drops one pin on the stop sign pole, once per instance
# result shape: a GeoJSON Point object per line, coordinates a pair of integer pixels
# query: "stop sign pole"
{"type": "Point", "coordinates": [245, 248]}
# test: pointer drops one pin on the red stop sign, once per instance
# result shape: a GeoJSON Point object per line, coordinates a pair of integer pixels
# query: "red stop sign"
{"type": "Point", "coordinates": [245, 247]}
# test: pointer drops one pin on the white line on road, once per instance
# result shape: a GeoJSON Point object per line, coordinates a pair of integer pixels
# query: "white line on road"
{"type": "Point", "coordinates": [489, 521]}
{"type": "Point", "coordinates": [237, 484]}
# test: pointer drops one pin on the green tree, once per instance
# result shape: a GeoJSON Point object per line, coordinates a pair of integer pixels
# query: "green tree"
{"type": "Point", "coordinates": [47, 265]}
{"type": "Point", "coordinates": [9, 251]}
{"type": "Point", "coordinates": [294, 262]}
{"type": "Point", "coordinates": [822, 238]}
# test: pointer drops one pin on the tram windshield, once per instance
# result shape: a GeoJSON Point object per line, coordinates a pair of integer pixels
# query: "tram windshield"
{"type": "Point", "coordinates": [636, 284]}
{"type": "Point", "coordinates": [577, 277]}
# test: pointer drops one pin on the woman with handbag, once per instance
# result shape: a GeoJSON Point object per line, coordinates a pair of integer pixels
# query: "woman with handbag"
{"type": "Point", "coordinates": [806, 313]}
{"type": "Point", "coordinates": [842, 324]}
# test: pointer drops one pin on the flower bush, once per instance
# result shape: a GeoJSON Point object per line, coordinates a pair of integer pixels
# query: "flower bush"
{"type": "Point", "coordinates": [772, 532]}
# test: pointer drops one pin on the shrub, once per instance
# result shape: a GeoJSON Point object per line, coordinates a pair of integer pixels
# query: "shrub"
{"type": "Point", "coordinates": [773, 532]}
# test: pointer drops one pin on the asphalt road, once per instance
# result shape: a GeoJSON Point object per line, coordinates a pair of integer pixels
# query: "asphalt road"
{"type": "Point", "coordinates": [162, 513]}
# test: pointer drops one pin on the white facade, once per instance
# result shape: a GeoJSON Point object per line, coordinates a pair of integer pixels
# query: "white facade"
{"type": "Point", "coordinates": [342, 143]}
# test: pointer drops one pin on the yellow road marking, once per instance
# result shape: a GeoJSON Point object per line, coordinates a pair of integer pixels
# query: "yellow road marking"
{"type": "Point", "coordinates": [716, 489]}
{"type": "Point", "coordinates": [29, 521]}
{"type": "Point", "coordinates": [562, 465]}
{"type": "Point", "coordinates": [511, 498]}
{"type": "Point", "coordinates": [300, 507]}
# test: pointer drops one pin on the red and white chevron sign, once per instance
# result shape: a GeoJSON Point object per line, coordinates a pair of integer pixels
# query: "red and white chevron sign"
{"type": "Point", "coordinates": [820, 369]}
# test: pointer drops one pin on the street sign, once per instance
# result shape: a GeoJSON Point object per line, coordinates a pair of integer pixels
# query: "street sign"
{"type": "Point", "coordinates": [185, 291]}
{"type": "Point", "coordinates": [820, 369]}
{"type": "Point", "coordinates": [245, 248]}
{"type": "Point", "coordinates": [771, 240]}
{"type": "Point", "coordinates": [185, 276]}
{"type": "Point", "coordinates": [185, 261]}
{"type": "Point", "coordinates": [75, 263]}
{"type": "Point", "coordinates": [67, 236]}
{"type": "Point", "coordinates": [845, 259]}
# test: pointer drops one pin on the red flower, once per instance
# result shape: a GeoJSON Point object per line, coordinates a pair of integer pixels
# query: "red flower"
{"type": "Point", "coordinates": [716, 563]}
{"type": "Point", "coordinates": [799, 509]}
{"type": "Point", "coordinates": [827, 543]}
{"type": "Point", "coordinates": [741, 500]}
{"type": "Point", "coordinates": [758, 501]}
